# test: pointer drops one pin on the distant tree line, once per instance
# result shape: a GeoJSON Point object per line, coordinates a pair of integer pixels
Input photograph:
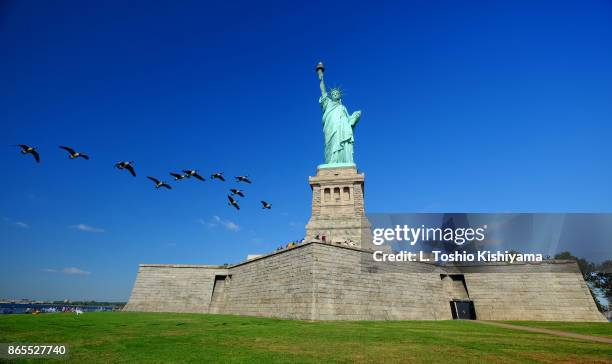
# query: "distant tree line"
{"type": "Point", "coordinates": [597, 276]}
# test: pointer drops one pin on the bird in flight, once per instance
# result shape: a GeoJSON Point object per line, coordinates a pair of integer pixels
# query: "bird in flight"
{"type": "Point", "coordinates": [73, 153]}
{"type": "Point", "coordinates": [243, 179]}
{"type": "Point", "coordinates": [26, 149]}
{"type": "Point", "coordinates": [193, 173]}
{"type": "Point", "coordinates": [126, 165]}
{"type": "Point", "coordinates": [178, 177]}
{"type": "Point", "coordinates": [266, 205]}
{"type": "Point", "coordinates": [218, 175]}
{"type": "Point", "coordinates": [233, 202]}
{"type": "Point", "coordinates": [237, 192]}
{"type": "Point", "coordinates": [159, 183]}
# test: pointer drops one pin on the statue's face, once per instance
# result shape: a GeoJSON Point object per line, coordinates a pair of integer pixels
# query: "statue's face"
{"type": "Point", "coordinates": [335, 95]}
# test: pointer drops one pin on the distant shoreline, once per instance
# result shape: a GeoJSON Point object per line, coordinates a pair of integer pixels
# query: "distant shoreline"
{"type": "Point", "coordinates": [28, 308]}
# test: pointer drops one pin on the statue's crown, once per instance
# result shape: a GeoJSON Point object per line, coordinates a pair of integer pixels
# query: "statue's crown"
{"type": "Point", "coordinates": [337, 89]}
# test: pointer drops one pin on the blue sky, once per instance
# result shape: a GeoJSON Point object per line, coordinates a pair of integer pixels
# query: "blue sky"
{"type": "Point", "coordinates": [480, 107]}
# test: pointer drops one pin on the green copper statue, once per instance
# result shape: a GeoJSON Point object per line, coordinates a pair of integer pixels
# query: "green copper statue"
{"type": "Point", "coordinates": [338, 126]}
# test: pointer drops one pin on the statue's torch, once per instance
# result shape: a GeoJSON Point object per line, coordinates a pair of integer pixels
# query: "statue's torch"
{"type": "Point", "coordinates": [320, 68]}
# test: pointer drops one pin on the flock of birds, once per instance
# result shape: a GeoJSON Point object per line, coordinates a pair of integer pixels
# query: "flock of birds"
{"type": "Point", "coordinates": [188, 173]}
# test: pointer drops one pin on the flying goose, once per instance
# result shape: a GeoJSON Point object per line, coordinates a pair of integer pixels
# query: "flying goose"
{"type": "Point", "coordinates": [159, 183]}
{"type": "Point", "coordinates": [233, 202]}
{"type": "Point", "coordinates": [25, 149]}
{"type": "Point", "coordinates": [178, 177]}
{"type": "Point", "coordinates": [242, 179]}
{"type": "Point", "coordinates": [237, 192]}
{"type": "Point", "coordinates": [126, 165]}
{"type": "Point", "coordinates": [193, 173]}
{"type": "Point", "coordinates": [266, 205]}
{"type": "Point", "coordinates": [218, 175]}
{"type": "Point", "coordinates": [73, 153]}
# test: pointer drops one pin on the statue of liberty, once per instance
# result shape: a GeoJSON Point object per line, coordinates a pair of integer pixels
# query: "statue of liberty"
{"type": "Point", "coordinates": [338, 126]}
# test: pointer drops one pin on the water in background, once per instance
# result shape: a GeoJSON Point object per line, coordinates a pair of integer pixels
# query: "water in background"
{"type": "Point", "coordinates": [9, 308]}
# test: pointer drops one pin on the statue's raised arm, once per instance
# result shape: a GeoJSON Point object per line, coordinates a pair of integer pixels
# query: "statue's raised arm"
{"type": "Point", "coordinates": [338, 125]}
{"type": "Point", "coordinates": [320, 70]}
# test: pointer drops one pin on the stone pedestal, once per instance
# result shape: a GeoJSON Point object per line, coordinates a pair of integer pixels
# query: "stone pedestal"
{"type": "Point", "coordinates": [338, 212]}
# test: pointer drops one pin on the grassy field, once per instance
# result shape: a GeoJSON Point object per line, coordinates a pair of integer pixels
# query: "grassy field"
{"type": "Point", "coordinates": [161, 338]}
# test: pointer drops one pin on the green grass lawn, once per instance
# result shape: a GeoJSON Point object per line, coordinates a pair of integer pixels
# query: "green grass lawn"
{"type": "Point", "coordinates": [586, 328]}
{"type": "Point", "coordinates": [161, 338]}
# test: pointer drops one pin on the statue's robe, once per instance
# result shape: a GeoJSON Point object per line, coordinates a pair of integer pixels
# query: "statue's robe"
{"type": "Point", "coordinates": [338, 128]}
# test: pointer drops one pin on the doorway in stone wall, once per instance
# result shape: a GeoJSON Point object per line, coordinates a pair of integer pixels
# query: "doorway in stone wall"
{"type": "Point", "coordinates": [218, 293]}
{"type": "Point", "coordinates": [463, 310]}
